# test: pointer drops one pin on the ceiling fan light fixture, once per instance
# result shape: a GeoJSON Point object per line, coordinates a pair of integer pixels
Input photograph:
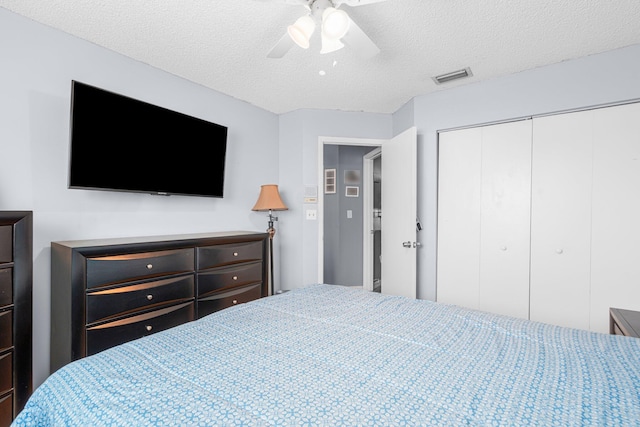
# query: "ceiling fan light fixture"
{"type": "Point", "coordinates": [335, 23]}
{"type": "Point", "coordinates": [330, 45]}
{"type": "Point", "coordinates": [301, 31]}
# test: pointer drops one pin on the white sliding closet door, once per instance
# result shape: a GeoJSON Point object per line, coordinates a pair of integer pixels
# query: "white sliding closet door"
{"type": "Point", "coordinates": [615, 258]}
{"type": "Point", "coordinates": [561, 219]}
{"type": "Point", "coordinates": [505, 219]}
{"type": "Point", "coordinates": [458, 262]}
{"type": "Point", "coordinates": [484, 218]}
{"type": "Point", "coordinates": [541, 218]}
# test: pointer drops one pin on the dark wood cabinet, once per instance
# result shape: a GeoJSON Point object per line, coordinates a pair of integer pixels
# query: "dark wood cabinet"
{"type": "Point", "coordinates": [16, 273]}
{"type": "Point", "coordinates": [107, 292]}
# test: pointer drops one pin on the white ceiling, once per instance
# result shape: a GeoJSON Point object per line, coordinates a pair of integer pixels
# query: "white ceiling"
{"type": "Point", "coordinates": [222, 44]}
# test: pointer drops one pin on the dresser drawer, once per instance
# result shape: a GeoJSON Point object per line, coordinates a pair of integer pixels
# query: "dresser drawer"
{"type": "Point", "coordinates": [218, 255]}
{"type": "Point", "coordinates": [228, 298]}
{"type": "Point", "coordinates": [110, 334]}
{"type": "Point", "coordinates": [6, 243]}
{"type": "Point", "coordinates": [6, 410]}
{"type": "Point", "coordinates": [126, 268]}
{"type": "Point", "coordinates": [6, 286]}
{"type": "Point", "coordinates": [6, 372]}
{"type": "Point", "coordinates": [6, 330]}
{"type": "Point", "coordinates": [112, 302]}
{"type": "Point", "coordinates": [225, 277]}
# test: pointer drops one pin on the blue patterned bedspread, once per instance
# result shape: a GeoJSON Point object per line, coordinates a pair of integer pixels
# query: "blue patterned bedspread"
{"type": "Point", "coordinates": [335, 356]}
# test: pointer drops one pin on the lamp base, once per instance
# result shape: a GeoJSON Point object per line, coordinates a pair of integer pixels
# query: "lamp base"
{"type": "Point", "coordinates": [272, 232]}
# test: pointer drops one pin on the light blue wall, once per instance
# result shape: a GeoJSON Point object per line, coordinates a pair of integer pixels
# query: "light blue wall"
{"type": "Point", "coordinates": [404, 118]}
{"type": "Point", "coordinates": [37, 66]}
{"type": "Point", "coordinates": [299, 133]}
{"type": "Point", "coordinates": [594, 80]}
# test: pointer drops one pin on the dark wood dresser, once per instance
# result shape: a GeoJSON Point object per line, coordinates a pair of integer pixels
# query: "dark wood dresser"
{"type": "Point", "coordinates": [16, 272]}
{"type": "Point", "coordinates": [107, 292]}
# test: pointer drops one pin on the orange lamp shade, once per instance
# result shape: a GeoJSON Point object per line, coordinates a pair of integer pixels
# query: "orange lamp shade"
{"type": "Point", "coordinates": [269, 199]}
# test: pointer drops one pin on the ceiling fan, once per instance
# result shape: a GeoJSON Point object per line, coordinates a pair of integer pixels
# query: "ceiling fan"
{"type": "Point", "coordinates": [337, 29]}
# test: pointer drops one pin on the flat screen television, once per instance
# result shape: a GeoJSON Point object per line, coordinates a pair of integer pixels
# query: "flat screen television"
{"type": "Point", "coordinates": [123, 144]}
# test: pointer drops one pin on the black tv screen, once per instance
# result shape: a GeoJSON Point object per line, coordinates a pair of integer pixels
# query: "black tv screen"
{"type": "Point", "coordinates": [123, 144]}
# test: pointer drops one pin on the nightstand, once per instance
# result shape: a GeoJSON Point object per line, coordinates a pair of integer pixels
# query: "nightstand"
{"type": "Point", "coordinates": [624, 322]}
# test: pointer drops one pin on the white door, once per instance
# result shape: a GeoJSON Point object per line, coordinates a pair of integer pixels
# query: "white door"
{"type": "Point", "coordinates": [615, 237]}
{"type": "Point", "coordinates": [399, 211]}
{"type": "Point", "coordinates": [484, 181]}
{"type": "Point", "coordinates": [561, 186]}
{"type": "Point", "coordinates": [459, 189]}
{"type": "Point", "coordinates": [505, 221]}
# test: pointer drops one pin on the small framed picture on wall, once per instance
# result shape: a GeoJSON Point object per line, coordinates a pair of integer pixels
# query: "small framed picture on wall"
{"type": "Point", "coordinates": [330, 181]}
{"type": "Point", "coordinates": [350, 191]}
{"type": "Point", "coordinates": [351, 177]}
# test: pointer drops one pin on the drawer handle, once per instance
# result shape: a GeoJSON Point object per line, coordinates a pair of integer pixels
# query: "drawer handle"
{"type": "Point", "coordinates": [149, 266]}
{"type": "Point", "coordinates": [149, 297]}
{"type": "Point", "coordinates": [149, 327]}
{"type": "Point", "coordinates": [235, 301]}
{"type": "Point", "coordinates": [235, 277]}
{"type": "Point", "coordinates": [235, 254]}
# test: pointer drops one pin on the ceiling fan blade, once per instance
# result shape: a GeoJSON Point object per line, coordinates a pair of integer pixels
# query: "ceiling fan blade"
{"type": "Point", "coordinates": [281, 48]}
{"type": "Point", "coordinates": [357, 40]}
{"type": "Point", "coordinates": [353, 3]}
{"type": "Point", "coordinates": [306, 3]}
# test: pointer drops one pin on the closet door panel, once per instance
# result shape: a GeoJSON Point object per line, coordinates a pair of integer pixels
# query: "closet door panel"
{"type": "Point", "coordinates": [505, 219]}
{"type": "Point", "coordinates": [615, 266]}
{"type": "Point", "coordinates": [561, 219]}
{"type": "Point", "coordinates": [459, 162]}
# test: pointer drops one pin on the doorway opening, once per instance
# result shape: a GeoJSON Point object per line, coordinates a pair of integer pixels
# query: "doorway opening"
{"type": "Point", "coordinates": [341, 218]}
{"type": "Point", "coordinates": [399, 203]}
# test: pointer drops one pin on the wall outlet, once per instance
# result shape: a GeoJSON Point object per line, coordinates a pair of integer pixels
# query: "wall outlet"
{"type": "Point", "coordinates": [312, 214]}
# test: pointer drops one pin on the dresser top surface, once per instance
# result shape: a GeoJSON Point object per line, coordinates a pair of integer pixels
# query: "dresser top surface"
{"type": "Point", "coordinates": [153, 239]}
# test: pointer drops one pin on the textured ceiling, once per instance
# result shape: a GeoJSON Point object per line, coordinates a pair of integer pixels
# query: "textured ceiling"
{"type": "Point", "coordinates": [223, 44]}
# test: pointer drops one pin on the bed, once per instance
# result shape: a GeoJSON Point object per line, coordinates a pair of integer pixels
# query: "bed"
{"type": "Point", "coordinates": [338, 356]}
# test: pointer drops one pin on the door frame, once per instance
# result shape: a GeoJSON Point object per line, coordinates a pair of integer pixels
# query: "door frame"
{"type": "Point", "coordinates": [332, 140]}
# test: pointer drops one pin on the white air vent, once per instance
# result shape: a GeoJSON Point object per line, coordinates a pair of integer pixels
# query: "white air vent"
{"type": "Point", "coordinates": [455, 75]}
